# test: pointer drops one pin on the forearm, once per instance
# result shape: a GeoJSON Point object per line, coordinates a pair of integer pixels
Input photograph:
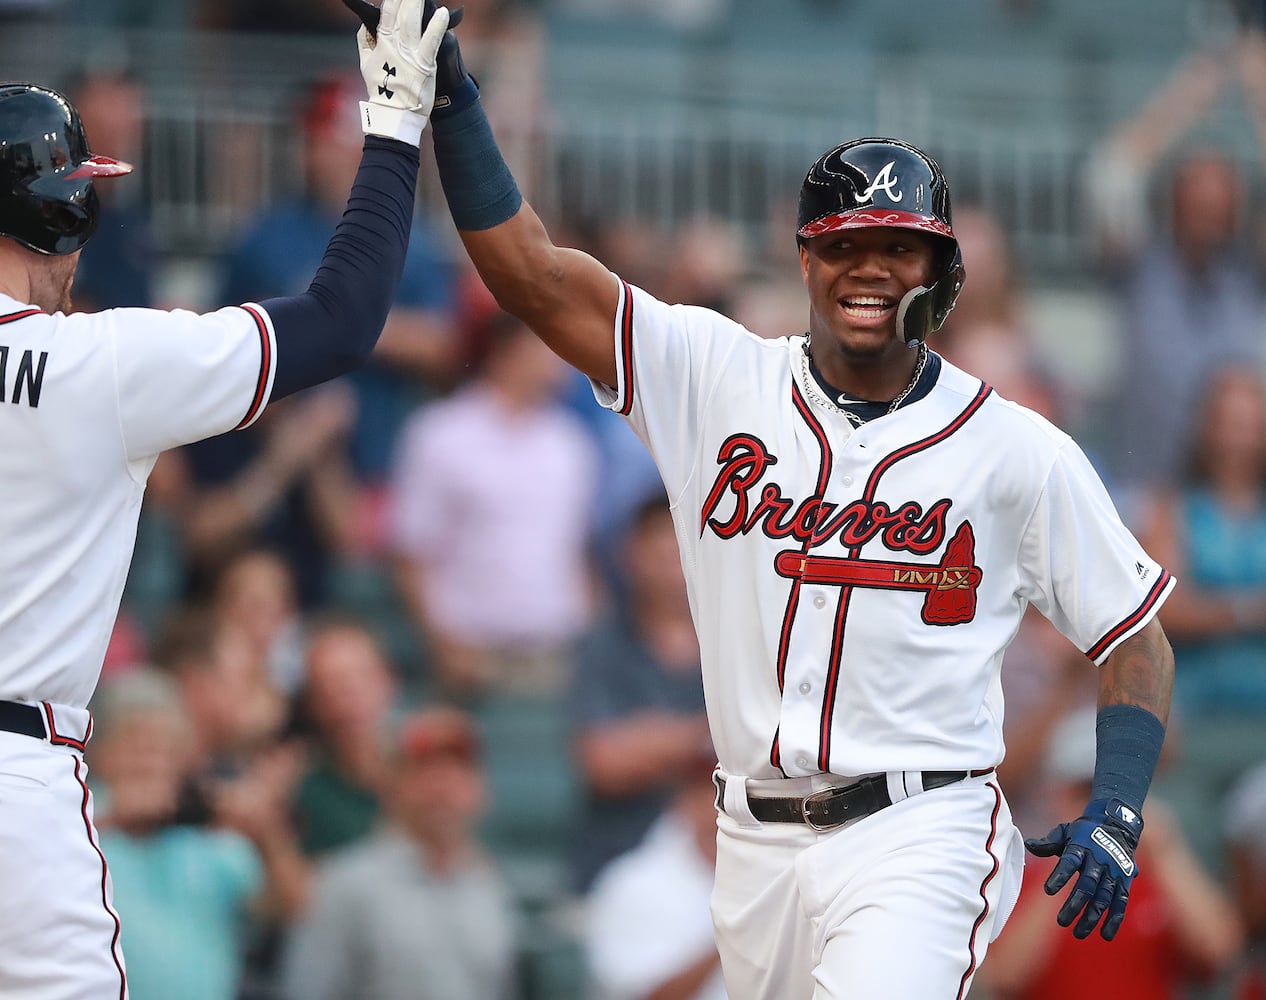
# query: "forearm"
{"type": "Point", "coordinates": [566, 297]}
{"type": "Point", "coordinates": [1194, 614]}
{"type": "Point", "coordinates": [1140, 672]}
{"type": "Point", "coordinates": [1134, 694]}
{"type": "Point", "coordinates": [1204, 921]}
{"type": "Point", "coordinates": [643, 752]}
{"type": "Point", "coordinates": [332, 328]}
{"type": "Point", "coordinates": [287, 875]}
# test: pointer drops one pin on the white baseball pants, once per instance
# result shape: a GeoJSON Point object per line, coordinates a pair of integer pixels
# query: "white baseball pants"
{"type": "Point", "coordinates": [900, 904]}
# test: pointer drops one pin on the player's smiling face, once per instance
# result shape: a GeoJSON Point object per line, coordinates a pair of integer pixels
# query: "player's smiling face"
{"type": "Point", "coordinates": [856, 279]}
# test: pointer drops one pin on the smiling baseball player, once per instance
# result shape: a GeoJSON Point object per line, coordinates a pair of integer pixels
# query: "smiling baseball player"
{"type": "Point", "coordinates": [861, 526]}
{"type": "Point", "coordinates": [89, 401]}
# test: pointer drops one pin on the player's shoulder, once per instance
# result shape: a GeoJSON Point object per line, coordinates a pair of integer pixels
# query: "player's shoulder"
{"type": "Point", "coordinates": [1006, 419]}
{"type": "Point", "coordinates": [694, 317]}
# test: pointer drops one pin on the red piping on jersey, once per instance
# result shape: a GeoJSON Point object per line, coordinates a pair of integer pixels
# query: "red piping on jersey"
{"type": "Point", "coordinates": [984, 910]}
{"type": "Point", "coordinates": [793, 597]}
{"type": "Point", "coordinates": [265, 367]}
{"type": "Point", "coordinates": [105, 876]}
{"type": "Point", "coordinates": [868, 496]}
{"type": "Point", "coordinates": [626, 349]}
{"type": "Point", "coordinates": [12, 317]}
{"type": "Point", "coordinates": [56, 738]}
{"type": "Point", "coordinates": [1153, 595]}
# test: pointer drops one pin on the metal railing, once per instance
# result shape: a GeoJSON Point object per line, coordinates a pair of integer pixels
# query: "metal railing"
{"type": "Point", "coordinates": [663, 133]}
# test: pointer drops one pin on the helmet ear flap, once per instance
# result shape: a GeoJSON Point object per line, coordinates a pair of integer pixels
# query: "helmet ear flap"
{"type": "Point", "coordinates": [923, 309]}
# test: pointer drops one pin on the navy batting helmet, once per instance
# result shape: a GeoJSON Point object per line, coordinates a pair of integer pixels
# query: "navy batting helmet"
{"type": "Point", "coordinates": [46, 169]}
{"type": "Point", "coordinates": [887, 182]}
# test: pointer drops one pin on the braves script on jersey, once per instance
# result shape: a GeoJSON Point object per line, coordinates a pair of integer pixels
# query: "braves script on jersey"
{"type": "Point", "coordinates": [89, 401]}
{"type": "Point", "coordinates": [855, 589]}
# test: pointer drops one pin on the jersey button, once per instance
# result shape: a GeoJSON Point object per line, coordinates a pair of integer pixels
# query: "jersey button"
{"type": "Point", "coordinates": [806, 687]}
{"type": "Point", "coordinates": [819, 601]}
{"type": "Point", "coordinates": [802, 762]}
{"type": "Point", "coordinates": [848, 480]}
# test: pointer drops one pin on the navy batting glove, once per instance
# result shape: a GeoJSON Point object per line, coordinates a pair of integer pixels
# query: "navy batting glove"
{"type": "Point", "coordinates": [1099, 848]}
{"type": "Point", "coordinates": [455, 89]}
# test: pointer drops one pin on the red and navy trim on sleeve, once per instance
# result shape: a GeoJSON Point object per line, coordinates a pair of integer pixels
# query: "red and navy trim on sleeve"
{"type": "Point", "coordinates": [260, 396]}
{"type": "Point", "coordinates": [626, 350]}
{"type": "Point", "coordinates": [1142, 611]}
{"type": "Point", "coordinates": [14, 317]}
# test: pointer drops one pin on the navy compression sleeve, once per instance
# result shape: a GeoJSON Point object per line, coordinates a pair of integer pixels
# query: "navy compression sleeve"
{"type": "Point", "coordinates": [332, 328]}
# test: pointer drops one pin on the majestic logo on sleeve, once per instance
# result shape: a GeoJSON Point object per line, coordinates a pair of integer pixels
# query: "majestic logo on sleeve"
{"type": "Point", "coordinates": [884, 181]}
{"type": "Point", "coordinates": [949, 586]}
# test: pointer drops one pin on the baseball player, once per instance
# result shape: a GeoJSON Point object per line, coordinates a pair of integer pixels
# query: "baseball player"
{"type": "Point", "coordinates": [89, 401]}
{"type": "Point", "coordinates": [861, 526]}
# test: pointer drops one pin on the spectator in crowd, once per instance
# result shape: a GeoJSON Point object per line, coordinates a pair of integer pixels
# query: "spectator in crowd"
{"type": "Point", "coordinates": [1246, 847]}
{"type": "Point", "coordinates": [987, 332]}
{"type": "Point", "coordinates": [255, 593]}
{"type": "Point", "coordinates": [417, 909]}
{"type": "Point", "coordinates": [1187, 282]}
{"type": "Point", "coordinates": [637, 697]}
{"type": "Point", "coordinates": [349, 690]}
{"type": "Point", "coordinates": [648, 925]}
{"type": "Point", "coordinates": [116, 268]}
{"type": "Point", "coordinates": [284, 482]}
{"type": "Point", "coordinates": [491, 513]}
{"type": "Point", "coordinates": [235, 712]}
{"type": "Point", "coordinates": [1211, 532]}
{"type": "Point", "coordinates": [186, 893]}
{"type": "Point", "coordinates": [1183, 929]}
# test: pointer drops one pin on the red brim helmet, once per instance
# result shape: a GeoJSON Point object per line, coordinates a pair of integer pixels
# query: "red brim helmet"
{"type": "Point", "coordinates": [869, 183]}
{"type": "Point", "coordinates": [47, 202]}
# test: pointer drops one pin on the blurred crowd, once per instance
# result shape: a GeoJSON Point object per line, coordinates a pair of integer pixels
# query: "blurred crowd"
{"type": "Point", "coordinates": [405, 686]}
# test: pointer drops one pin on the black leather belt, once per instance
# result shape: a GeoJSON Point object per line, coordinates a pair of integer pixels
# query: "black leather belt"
{"type": "Point", "coordinates": [26, 720]}
{"type": "Point", "coordinates": [831, 807]}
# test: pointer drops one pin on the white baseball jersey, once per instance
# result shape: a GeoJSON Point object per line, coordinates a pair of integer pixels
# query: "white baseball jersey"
{"type": "Point", "coordinates": [854, 589]}
{"type": "Point", "coordinates": [87, 402]}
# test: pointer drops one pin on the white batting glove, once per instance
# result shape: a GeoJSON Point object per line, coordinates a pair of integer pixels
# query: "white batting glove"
{"type": "Point", "coordinates": [398, 64]}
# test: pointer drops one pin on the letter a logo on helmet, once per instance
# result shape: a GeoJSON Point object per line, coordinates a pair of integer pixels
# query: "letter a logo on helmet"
{"type": "Point", "coordinates": [871, 183]}
{"type": "Point", "coordinates": [883, 181]}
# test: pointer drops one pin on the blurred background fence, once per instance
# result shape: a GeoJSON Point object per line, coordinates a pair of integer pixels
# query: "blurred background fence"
{"type": "Point", "coordinates": [660, 122]}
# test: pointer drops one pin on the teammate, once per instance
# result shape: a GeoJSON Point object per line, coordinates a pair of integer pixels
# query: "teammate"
{"type": "Point", "coordinates": [89, 402]}
{"type": "Point", "coordinates": [861, 526]}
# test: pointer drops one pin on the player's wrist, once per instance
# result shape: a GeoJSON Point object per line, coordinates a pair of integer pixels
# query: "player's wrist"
{"type": "Point", "coordinates": [1128, 742]}
{"type": "Point", "coordinates": [456, 98]}
{"type": "Point", "coordinates": [392, 123]}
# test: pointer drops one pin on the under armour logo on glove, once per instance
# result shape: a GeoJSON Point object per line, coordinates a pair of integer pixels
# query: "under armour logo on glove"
{"type": "Point", "coordinates": [1099, 848]}
{"type": "Point", "coordinates": [382, 87]}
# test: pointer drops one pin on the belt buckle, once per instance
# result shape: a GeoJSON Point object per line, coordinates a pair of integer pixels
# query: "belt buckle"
{"type": "Point", "coordinates": [821, 797]}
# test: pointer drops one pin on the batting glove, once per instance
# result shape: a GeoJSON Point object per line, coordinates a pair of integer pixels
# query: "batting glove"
{"type": "Point", "coordinates": [1099, 848]}
{"type": "Point", "coordinates": [397, 60]}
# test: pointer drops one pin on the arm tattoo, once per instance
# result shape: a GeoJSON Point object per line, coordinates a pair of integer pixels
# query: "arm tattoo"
{"type": "Point", "coordinates": [1140, 672]}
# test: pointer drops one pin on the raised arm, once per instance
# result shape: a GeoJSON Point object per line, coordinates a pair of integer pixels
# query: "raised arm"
{"type": "Point", "coordinates": [332, 327]}
{"type": "Point", "coordinates": [568, 298]}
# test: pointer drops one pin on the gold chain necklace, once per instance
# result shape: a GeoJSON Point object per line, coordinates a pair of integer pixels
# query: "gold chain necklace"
{"type": "Point", "coordinates": [811, 386]}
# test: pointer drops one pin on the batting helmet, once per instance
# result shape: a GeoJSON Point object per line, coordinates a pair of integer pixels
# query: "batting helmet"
{"type": "Point", "coordinates": [886, 182]}
{"type": "Point", "coordinates": [46, 169]}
